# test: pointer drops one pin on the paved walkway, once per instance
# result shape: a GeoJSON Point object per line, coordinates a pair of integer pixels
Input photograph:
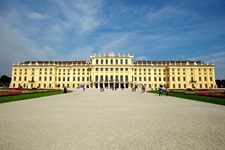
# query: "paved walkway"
{"type": "Point", "coordinates": [118, 120]}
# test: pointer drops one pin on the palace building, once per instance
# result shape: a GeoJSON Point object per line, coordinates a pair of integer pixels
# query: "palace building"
{"type": "Point", "coordinates": [111, 71]}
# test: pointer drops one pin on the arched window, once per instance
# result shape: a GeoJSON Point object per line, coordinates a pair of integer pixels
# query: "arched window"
{"type": "Point", "coordinates": [106, 61]}
{"type": "Point", "coordinates": [96, 61]}
{"type": "Point", "coordinates": [101, 61]}
{"type": "Point", "coordinates": [111, 78]}
{"type": "Point", "coordinates": [121, 78]}
{"type": "Point", "coordinates": [101, 78]}
{"type": "Point", "coordinates": [126, 78]}
{"type": "Point", "coordinates": [121, 61]}
{"type": "Point", "coordinates": [126, 61]}
{"type": "Point", "coordinates": [117, 78]}
{"type": "Point", "coordinates": [106, 78]}
{"type": "Point", "coordinates": [116, 61]}
{"type": "Point", "coordinates": [96, 78]}
{"type": "Point", "coordinates": [111, 61]}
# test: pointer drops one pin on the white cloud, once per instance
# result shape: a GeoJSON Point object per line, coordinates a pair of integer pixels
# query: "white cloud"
{"type": "Point", "coordinates": [80, 15]}
{"type": "Point", "coordinates": [163, 13]}
{"type": "Point", "coordinates": [141, 58]}
{"type": "Point", "coordinates": [36, 16]}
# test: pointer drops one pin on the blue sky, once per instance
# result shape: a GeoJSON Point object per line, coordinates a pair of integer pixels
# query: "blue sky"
{"type": "Point", "coordinates": [75, 29]}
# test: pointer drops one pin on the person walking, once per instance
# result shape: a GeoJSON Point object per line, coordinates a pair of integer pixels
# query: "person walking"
{"type": "Point", "coordinates": [83, 88]}
{"type": "Point", "coordinates": [167, 91]}
{"type": "Point", "coordinates": [65, 89]}
{"type": "Point", "coordinates": [160, 91]}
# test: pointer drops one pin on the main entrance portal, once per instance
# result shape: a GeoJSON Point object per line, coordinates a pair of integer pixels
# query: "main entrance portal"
{"type": "Point", "coordinates": [112, 85]}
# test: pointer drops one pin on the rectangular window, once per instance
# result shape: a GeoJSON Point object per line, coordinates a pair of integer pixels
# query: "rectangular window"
{"type": "Point", "coordinates": [50, 78]}
{"type": "Point", "coordinates": [144, 78]}
{"type": "Point", "coordinates": [155, 79]}
{"type": "Point", "coordinates": [45, 78]}
{"type": "Point", "coordinates": [39, 78]}
{"type": "Point", "coordinates": [149, 78]}
{"type": "Point", "coordinates": [139, 78]}
{"type": "Point", "coordinates": [78, 79]}
{"type": "Point", "coordinates": [184, 78]}
{"type": "Point", "coordinates": [184, 85]}
{"type": "Point", "coordinates": [200, 79]}
{"type": "Point", "coordinates": [68, 78]}
{"type": "Point", "coordinates": [205, 78]}
{"type": "Point", "coordinates": [178, 78]}
{"type": "Point", "coordinates": [174, 86]}
{"type": "Point", "coordinates": [82, 78]}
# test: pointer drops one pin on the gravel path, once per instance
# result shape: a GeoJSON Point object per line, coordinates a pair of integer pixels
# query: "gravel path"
{"type": "Point", "coordinates": [111, 120]}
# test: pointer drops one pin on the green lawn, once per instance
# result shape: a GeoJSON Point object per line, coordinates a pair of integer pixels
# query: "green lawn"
{"type": "Point", "coordinates": [11, 98]}
{"type": "Point", "coordinates": [214, 100]}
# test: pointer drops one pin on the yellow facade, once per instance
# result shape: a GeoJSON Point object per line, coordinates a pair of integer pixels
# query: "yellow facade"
{"type": "Point", "coordinates": [110, 71]}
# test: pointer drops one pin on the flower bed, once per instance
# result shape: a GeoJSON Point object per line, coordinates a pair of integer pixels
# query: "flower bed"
{"type": "Point", "coordinates": [205, 93]}
{"type": "Point", "coordinates": [211, 93]}
{"type": "Point", "coordinates": [190, 92]}
{"type": "Point", "coordinates": [16, 91]}
{"type": "Point", "coordinates": [27, 92]}
{"type": "Point", "coordinates": [10, 92]}
{"type": "Point", "coordinates": [177, 91]}
{"type": "Point", "coordinates": [219, 95]}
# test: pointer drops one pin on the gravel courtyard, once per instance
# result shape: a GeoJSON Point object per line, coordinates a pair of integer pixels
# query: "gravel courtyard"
{"type": "Point", "coordinates": [111, 120]}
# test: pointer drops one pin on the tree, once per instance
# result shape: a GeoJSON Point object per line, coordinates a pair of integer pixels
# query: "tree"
{"type": "Point", "coordinates": [5, 81]}
{"type": "Point", "coordinates": [220, 83]}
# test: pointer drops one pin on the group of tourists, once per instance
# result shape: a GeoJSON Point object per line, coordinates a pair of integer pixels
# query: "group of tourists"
{"type": "Point", "coordinates": [161, 90]}
{"type": "Point", "coordinates": [143, 88]}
